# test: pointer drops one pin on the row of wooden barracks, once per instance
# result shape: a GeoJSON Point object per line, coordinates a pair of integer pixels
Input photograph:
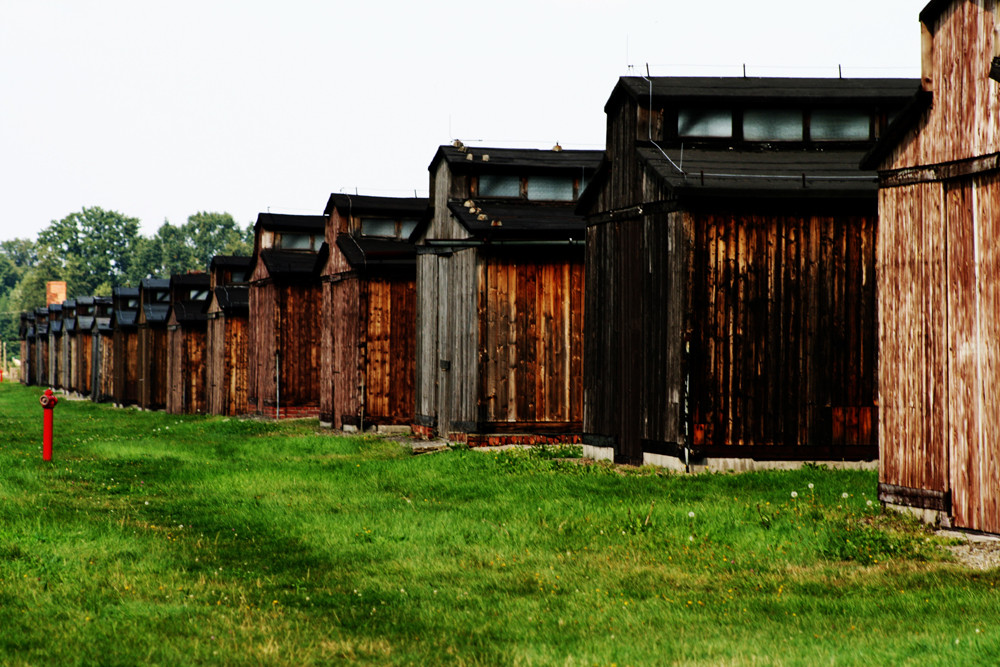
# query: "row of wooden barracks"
{"type": "Point", "coordinates": [716, 288]}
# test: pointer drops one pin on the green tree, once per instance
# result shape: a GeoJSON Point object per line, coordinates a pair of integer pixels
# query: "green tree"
{"type": "Point", "coordinates": [211, 234]}
{"type": "Point", "coordinates": [89, 248]}
{"type": "Point", "coordinates": [190, 247]}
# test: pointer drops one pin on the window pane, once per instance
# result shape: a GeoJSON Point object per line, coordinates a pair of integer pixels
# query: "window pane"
{"type": "Point", "coordinates": [705, 123]}
{"type": "Point", "coordinates": [839, 125]}
{"type": "Point", "coordinates": [238, 277]}
{"type": "Point", "coordinates": [376, 227]}
{"type": "Point", "coordinates": [199, 295]}
{"type": "Point", "coordinates": [550, 188]}
{"type": "Point", "coordinates": [295, 242]}
{"type": "Point", "coordinates": [408, 227]}
{"type": "Point", "coordinates": [491, 185]}
{"type": "Point", "coordinates": [772, 125]}
{"type": "Point", "coordinates": [132, 304]}
{"type": "Point", "coordinates": [162, 297]}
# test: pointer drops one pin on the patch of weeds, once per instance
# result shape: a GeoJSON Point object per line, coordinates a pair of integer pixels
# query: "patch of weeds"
{"type": "Point", "coordinates": [637, 524]}
{"type": "Point", "coordinates": [542, 458]}
{"type": "Point", "coordinates": [873, 539]}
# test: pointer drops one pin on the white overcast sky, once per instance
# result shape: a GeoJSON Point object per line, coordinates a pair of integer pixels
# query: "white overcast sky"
{"type": "Point", "coordinates": [162, 109]}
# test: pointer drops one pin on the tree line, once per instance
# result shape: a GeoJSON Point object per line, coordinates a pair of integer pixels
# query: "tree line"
{"type": "Point", "coordinates": [94, 250]}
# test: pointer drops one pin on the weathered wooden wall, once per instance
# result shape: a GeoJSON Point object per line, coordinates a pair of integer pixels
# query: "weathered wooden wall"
{"type": "Point", "coordinates": [42, 374]}
{"type": "Point", "coordinates": [634, 332]}
{"type": "Point", "coordinates": [152, 378]}
{"type": "Point", "coordinates": [448, 356]}
{"type": "Point", "coordinates": [125, 366]}
{"type": "Point", "coordinates": [425, 372]}
{"type": "Point", "coordinates": [940, 344]}
{"type": "Point", "coordinates": [531, 315]}
{"type": "Point", "coordinates": [342, 365]}
{"type": "Point", "coordinates": [285, 318]}
{"type": "Point", "coordinates": [103, 374]}
{"type": "Point", "coordinates": [389, 349]}
{"type": "Point", "coordinates": [783, 330]}
{"type": "Point", "coordinates": [84, 359]}
{"type": "Point", "coordinates": [962, 123]}
{"type": "Point", "coordinates": [71, 381]}
{"type": "Point", "coordinates": [55, 360]}
{"type": "Point", "coordinates": [226, 366]}
{"type": "Point", "coordinates": [27, 361]}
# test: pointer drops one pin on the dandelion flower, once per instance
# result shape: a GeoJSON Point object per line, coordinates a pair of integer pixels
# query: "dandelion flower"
{"type": "Point", "coordinates": [844, 494]}
{"type": "Point", "coordinates": [810, 485]}
{"type": "Point", "coordinates": [795, 494]}
{"type": "Point", "coordinates": [869, 503]}
{"type": "Point", "coordinates": [690, 515]}
{"type": "Point", "coordinates": [690, 538]}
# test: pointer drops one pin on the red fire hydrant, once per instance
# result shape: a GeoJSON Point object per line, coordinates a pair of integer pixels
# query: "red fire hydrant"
{"type": "Point", "coordinates": [48, 402]}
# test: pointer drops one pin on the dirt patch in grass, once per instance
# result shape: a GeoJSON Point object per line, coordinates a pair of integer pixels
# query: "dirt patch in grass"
{"type": "Point", "coordinates": [976, 552]}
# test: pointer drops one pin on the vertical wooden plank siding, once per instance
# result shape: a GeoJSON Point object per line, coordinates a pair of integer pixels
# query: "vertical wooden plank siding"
{"type": "Point", "coordinates": [530, 323]}
{"type": "Point", "coordinates": [176, 383]}
{"type": "Point", "coordinates": [85, 360]}
{"type": "Point", "coordinates": [940, 342]}
{"type": "Point", "coordinates": [299, 338]}
{"type": "Point", "coordinates": [346, 353]}
{"type": "Point", "coordinates": [236, 365]}
{"type": "Point", "coordinates": [913, 338]}
{"type": "Point", "coordinates": [262, 345]}
{"type": "Point", "coordinates": [389, 348]}
{"type": "Point", "coordinates": [125, 363]}
{"type": "Point", "coordinates": [634, 331]}
{"type": "Point", "coordinates": [962, 123]}
{"type": "Point", "coordinates": [764, 369]}
{"type": "Point", "coordinates": [215, 363]}
{"type": "Point", "coordinates": [427, 300]}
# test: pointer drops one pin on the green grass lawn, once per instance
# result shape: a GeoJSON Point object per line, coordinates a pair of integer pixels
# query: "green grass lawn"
{"type": "Point", "coordinates": [158, 539]}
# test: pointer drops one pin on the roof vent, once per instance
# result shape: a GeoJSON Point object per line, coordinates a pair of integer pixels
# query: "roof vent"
{"type": "Point", "coordinates": [557, 147]}
{"type": "Point", "coordinates": [468, 156]}
{"type": "Point", "coordinates": [486, 158]}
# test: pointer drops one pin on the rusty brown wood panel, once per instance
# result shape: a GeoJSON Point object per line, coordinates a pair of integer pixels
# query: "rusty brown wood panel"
{"type": "Point", "coordinates": [530, 343]}
{"type": "Point", "coordinates": [379, 318]}
{"type": "Point", "coordinates": [237, 365]}
{"type": "Point", "coordinates": [215, 362]}
{"type": "Point", "coordinates": [174, 379]}
{"type": "Point", "coordinates": [987, 209]}
{"type": "Point", "coordinates": [84, 362]}
{"type": "Point", "coordinates": [771, 354]}
{"type": "Point", "coordinates": [298, 335]}
{"type": "Point", "coordinates": [262, 341]}
{"type": "Point", "coordinates": [962, 122]}
{"type": "Point", "coordinates": [345, 350]}
{"type": "Point", "coordinates": [964, 399]}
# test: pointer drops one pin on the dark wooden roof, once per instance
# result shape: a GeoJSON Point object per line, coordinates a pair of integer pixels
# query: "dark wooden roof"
{"type": "Point", "coordinates": [102, 317]}
{"type": "Point", "coordinates": [409, 207]}
{"type": "Point", "coordinates": [298, 223]}
{"type": "Point", "coordinates": [292, 262]}
{"type": "Point", "coordinates": [121, 315]}
{"type": "Point", "coordinates": [766, 89]}
{"type": "Point", "coordinates": [156, 313]}
{"type": "Point", "coordinates": [368, 252]}
{"type": "Point", "coordinates": [69, 315]}
{"type": "Point", "coordinates": [231, 262]}
{"type": "Point", "coordinates": [519, 220]}
{"type": "Point", "coordinates": [185, 309]}
{"type": "Point", "coordinates": [84, 322]}
{"type": "Point", "coordinates": [765, 174]}
{"type": "Point", "coordinates": [519, 160]}
{"type": "Point", "coordinates": [233, 299]}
